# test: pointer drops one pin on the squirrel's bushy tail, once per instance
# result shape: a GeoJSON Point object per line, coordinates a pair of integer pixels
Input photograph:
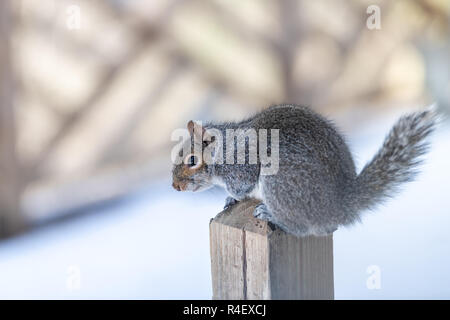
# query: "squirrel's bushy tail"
{"type": "Point", "coordinates": [396, 162]}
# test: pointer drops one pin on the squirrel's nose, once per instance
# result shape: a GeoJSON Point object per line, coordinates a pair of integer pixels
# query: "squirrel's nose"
{"type": "Point", "coordinates": [176, 186]}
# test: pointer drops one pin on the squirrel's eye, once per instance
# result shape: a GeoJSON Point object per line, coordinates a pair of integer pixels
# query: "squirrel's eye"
{"type": "Point", "coordinates": [192, 161]}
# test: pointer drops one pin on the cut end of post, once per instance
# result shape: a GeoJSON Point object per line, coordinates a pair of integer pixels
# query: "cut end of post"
{"type": "Point", "coordinates": [253, 259]}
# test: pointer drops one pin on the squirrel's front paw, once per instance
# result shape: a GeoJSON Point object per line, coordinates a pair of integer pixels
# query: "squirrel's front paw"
{"type": "Point", "coordinates": [230, 201]}
{"type": "Point", "coordinates": [261, 212]}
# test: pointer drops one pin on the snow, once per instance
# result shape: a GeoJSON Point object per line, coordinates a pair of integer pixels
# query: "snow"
{"type": "Point", "coordinates": [155, 244]}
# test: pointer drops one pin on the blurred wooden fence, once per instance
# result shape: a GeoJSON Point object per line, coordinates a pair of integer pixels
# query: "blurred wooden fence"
{"type": "Point", "coordinates": [11, 221]}
{"type": "Point", "coordinates": [176, 60]}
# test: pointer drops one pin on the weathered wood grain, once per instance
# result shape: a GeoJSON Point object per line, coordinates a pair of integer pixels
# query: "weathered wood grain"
{"type": "Point", "coordinates": [251, 259]}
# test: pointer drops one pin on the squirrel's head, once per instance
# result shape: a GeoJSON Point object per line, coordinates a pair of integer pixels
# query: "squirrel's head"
{"type": "Point", "coordinates": [193, 174]}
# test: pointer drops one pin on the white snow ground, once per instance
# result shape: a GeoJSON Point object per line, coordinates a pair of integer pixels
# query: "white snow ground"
{"type": "Point", "coordinates": [154, 245]}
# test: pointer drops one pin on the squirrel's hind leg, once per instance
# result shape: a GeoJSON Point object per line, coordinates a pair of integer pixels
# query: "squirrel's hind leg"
{"type": "Point", "coordinates": [262, 212]}
{"type": "Point", "coordinates": [330, 230]}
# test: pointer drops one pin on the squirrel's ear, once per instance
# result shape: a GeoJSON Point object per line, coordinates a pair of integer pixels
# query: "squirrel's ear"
{"type": "Point", "coordinates": [193, 128]}
{"type": "Point", "coordinates": [190, 127]}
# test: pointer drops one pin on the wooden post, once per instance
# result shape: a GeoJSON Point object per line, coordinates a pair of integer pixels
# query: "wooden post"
{"type": "Point", "coordinates": [251, 259]}
{"type": "Point", "coordinates": [10, 219]}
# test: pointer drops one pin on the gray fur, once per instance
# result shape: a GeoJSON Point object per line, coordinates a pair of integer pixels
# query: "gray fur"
{"type": "Point", "coordinates": [316, 189]}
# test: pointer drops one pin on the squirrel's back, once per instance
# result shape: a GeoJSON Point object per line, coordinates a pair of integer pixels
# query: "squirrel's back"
{"type": "Point", "coordinates": [317, 181]}
{"type": "Point", "coordinates": [316, 168]}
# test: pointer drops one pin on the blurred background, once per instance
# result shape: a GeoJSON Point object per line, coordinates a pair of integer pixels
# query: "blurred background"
{"type": "Point", "coordinates": [90, 92]}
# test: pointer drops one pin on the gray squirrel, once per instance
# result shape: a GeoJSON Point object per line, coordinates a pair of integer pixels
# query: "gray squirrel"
{"type": "Point", "coordinates": [316, 188]}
